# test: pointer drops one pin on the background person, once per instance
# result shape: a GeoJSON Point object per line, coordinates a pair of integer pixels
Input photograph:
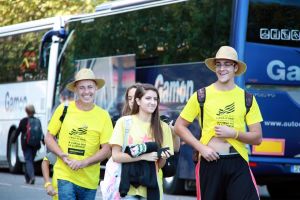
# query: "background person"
{"type": "Point", "coordinates": [29, 151]}
{"type": "Point", "coordinates": [224, 169]}
{"type": "Point", "coordinates": [83, 139]}
{"type": "Point", "coordinates": [129, 99]}
{"type": "Point", "coordinates": [50, 186]}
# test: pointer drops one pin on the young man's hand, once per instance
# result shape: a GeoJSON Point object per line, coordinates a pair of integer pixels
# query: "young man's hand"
{"type": "Point", "coordinates": [208, 153]}
{"type": "Point", "coordinates": [225, 132]}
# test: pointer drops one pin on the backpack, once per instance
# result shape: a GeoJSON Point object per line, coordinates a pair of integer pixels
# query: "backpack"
{"type": "Point", "coordinates": [34, 132]}
{"type": "Point", "coordinates": [201, 97]}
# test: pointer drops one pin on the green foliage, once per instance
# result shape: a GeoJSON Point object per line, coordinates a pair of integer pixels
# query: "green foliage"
{"type": "Point", "coordinates": [17, 11]}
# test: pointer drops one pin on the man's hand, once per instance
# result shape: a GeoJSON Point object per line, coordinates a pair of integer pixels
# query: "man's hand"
{"type": "Point", "coordinates": [77, 164]}
{"type": "Point", "coordinates": [65, 158]}
{"type": "Point", "coordinates": [224, 132]}
{"type": "Point", "coordinates": [208, 153]}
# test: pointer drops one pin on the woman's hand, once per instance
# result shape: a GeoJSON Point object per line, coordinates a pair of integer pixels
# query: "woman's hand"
{"type": "Point", "coordinates": [149, 156]}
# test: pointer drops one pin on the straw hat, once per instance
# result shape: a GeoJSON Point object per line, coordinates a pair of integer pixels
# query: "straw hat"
{"type": "Point", "coordinates": [228, 53]}
{"type": "Point", "coordinates": [85, 74]}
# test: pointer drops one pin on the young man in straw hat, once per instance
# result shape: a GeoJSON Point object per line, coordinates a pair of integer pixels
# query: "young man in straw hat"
{"type": "Point", "coordinates": [224, 170]}
{"type": "Point", "coordinates": [83, 139]}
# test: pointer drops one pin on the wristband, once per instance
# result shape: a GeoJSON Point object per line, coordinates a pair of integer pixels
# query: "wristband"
{"type": "Point", "coordinates": [47, 184]}
{"type": "Point", "coordinates": [236, 134]}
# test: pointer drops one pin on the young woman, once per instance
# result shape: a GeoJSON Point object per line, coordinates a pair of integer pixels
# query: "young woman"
{"type": "Point", "coordinates": [145, 127]}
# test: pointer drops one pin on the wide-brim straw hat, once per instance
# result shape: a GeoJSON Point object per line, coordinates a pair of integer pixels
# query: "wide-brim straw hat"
{"type": "Point", "coordinates": [228, 53]}
{"type": "Point", "coordinates": [85, 74]}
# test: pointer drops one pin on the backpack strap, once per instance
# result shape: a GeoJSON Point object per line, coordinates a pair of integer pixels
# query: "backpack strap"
{"type": "Point", "coordinates": [201, 96]}
{"type": "Point", "coordinates": [63, 115]}
{"type": "Point", "coordinates": [128, 120]}
{"type": "Point", "coordinates": [248, 101]}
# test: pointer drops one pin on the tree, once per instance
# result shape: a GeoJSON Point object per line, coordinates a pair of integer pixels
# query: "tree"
{"type": "Point", "coordinates": [17, 11]}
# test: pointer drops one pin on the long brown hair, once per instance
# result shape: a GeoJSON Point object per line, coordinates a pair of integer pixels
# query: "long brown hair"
{"type": "Point", "coordinates": [155, 125]}
{"type": "Point", "coordinates": [126, 108]}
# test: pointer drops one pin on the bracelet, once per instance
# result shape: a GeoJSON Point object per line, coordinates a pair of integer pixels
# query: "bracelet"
{"type": "Point", "coordinates": [236, 134]}
{"type": "Point", "coordinates": [47, 184]}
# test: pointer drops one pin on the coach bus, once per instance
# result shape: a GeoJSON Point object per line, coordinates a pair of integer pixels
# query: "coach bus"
{"type": "Point", "coordinates": [23, 81]}
{"type": "Point", "coordinates": [165, 42]}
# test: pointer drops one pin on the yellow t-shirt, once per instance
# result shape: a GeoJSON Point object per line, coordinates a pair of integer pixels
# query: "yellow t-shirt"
{"type": "Point", "coordinates": [54, 182]}
{"type": "Point", "coordinates": [80, 136]}
{"type": "Point", "coordinates": [139, 132]}
{"type": "Point", "coordinates": [223, 108]}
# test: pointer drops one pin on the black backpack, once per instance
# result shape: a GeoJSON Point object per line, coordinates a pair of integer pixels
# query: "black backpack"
{"type": "Point", "coordinates": [201, 96]}
{"type": "Point", "coordinates": [34, 132]}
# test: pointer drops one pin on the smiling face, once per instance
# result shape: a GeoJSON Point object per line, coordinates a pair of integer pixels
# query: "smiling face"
{"type": "Point", "coordinates": [86, 90]}
{"type": "Point", "coordinates": [148, 102]}
{"type": "Point", "coordinates": [225, 70]}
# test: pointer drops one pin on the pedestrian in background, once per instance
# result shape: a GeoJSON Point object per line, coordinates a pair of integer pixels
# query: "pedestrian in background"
{"type": "Point", "coordinates": [145, 127]}
{"type": "Point", "coordinates": [50, 186]}
{"type": "Point", "coordinates": [83, 139]}
{"type": "Point", "coordinates": [31, 139]}
{"type": "Point", "coordinates": [129, 99]}
{"type": "Point", "coordinates": [224, 169]}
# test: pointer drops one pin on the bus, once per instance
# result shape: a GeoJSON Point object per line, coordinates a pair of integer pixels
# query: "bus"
{"type": "Point", "coordinates": [164, 42]}
{"type": "Point", "coordinates": [23, 81]}
{"type": "Point", "coordinates": [272, 52]}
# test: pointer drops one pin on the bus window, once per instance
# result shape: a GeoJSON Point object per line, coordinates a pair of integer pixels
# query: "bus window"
{"type": "Point", "coordinates": [19, 58]}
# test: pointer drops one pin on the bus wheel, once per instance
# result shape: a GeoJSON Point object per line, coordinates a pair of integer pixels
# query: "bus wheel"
{"type": "Point", "coordinates": [173, 185]}
{"type": "Point", "coordinates": [14, 163]}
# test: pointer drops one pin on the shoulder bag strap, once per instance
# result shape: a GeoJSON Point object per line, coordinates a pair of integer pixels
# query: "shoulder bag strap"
{"type": "Point", "coordinates": [128, 120]}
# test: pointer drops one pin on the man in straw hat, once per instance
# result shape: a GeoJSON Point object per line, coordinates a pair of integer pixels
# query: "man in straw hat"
{"type": "Point", "coordinates": [83, 139]}
{"type": "Point", "coordinates": [224, 170]}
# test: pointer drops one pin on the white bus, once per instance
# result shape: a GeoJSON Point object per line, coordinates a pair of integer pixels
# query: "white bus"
{"type": "Point", "coordinates": [24, 81]}
{"type": "Point", "coordinates": [30, 73]}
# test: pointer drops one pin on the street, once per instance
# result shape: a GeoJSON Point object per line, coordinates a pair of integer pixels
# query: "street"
{"type": "Point", "coordinates": [13, 187]}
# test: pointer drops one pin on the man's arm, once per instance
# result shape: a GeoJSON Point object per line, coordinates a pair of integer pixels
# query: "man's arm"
{"type": "Point", "coordinates": [53, 147]}
{"type": "Point", "coordinates": [183, 132]}
{"type": "Point", "coordinates": [253, 136]}
{"type": "Point", "coordinates": [18, 131]}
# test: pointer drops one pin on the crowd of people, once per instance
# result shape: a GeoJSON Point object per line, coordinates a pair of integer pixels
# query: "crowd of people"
{"type": "Point", "coordinates": [81, 135]}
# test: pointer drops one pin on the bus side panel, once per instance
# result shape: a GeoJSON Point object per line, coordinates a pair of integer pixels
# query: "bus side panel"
{"type": "Point", "coordinates": [176, 83]}
{"type": "Point", "coordinates": [13, 99]}
{"type": "Point", "coordinates": [277, 64]}
{"type": "Point", "coordinates": [279, 152]}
